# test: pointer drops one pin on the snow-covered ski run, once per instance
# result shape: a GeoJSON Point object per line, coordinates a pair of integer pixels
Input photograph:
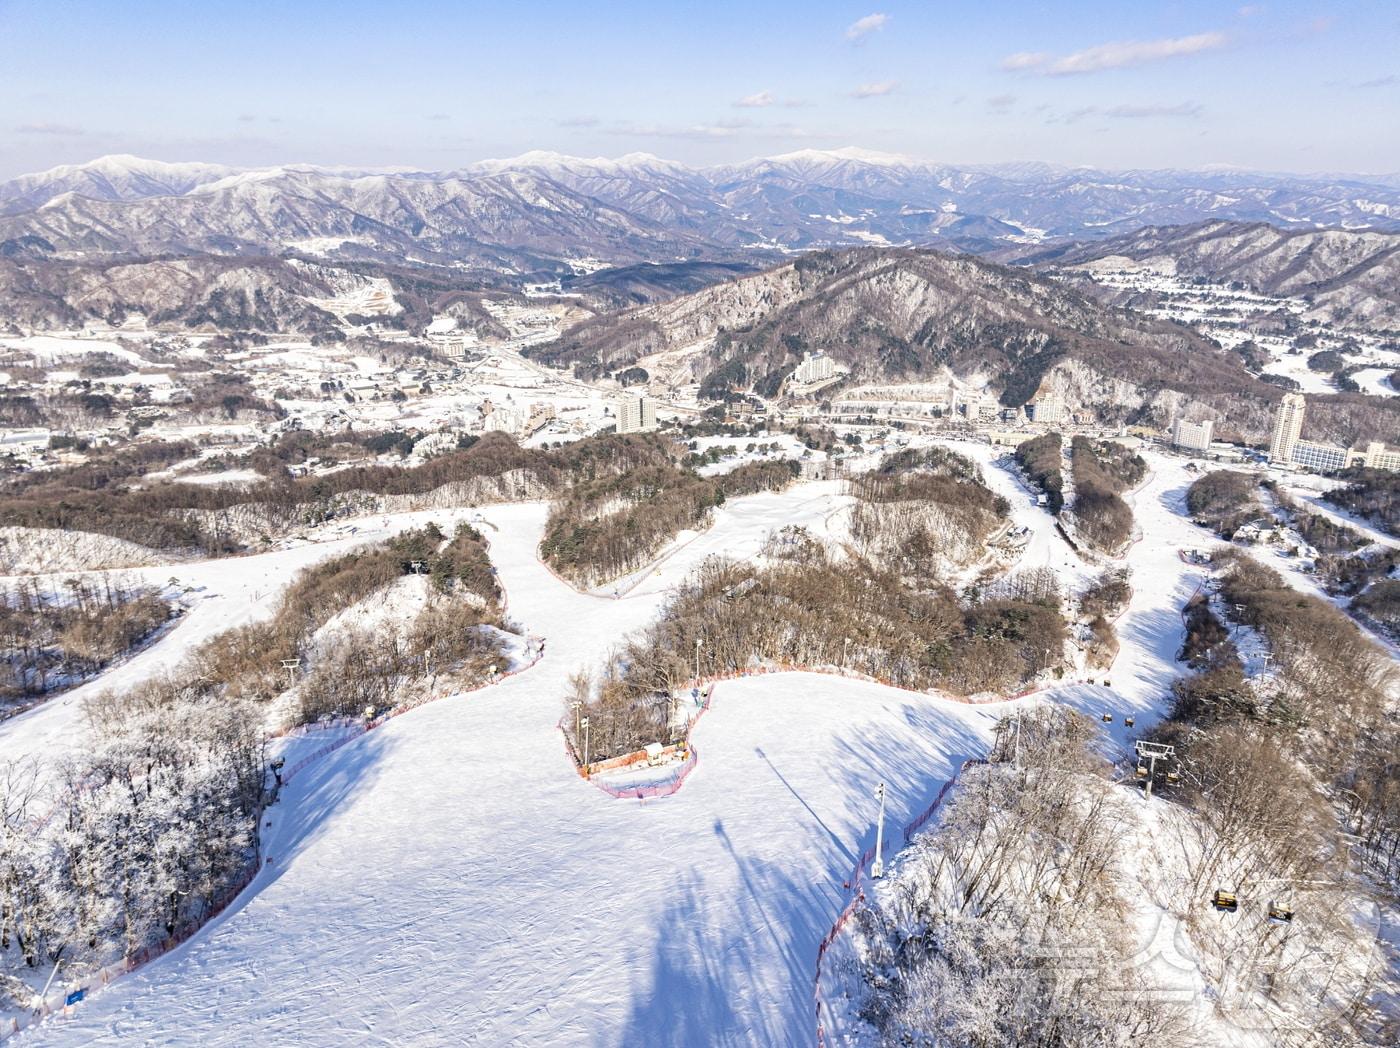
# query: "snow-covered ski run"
{"type": "Point", "coordinates": [449, 879]}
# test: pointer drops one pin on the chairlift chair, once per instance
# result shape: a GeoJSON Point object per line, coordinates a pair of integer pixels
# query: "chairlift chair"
{"type": "Point", "coordinates": [1142, 771]}
{"type": "Point", "coordinates": [1224, 901]}
{"type": "Point", "coordinates": [1129, 721]}
{"type": "Point", "coordinates": [1173, 777]}
{"type": "Point", "coordinates": [1280, 913]}
{"type": "Point", "coordinates": [1107, 718]}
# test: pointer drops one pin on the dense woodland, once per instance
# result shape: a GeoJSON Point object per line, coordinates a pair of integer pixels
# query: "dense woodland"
{"type": "Point", "coordinates": [1039, 459]}
{"type": "Point", "coordinates": [134, 842]}
{"type": "Point", "coordinates": [1103, 470]}
{"type": "Point", "coordinates": [366, 668]}
{"type": "Point", "coordinates": [602, 529]}
{"type": "Point", "coordinates": [54, 636]}
{"type": "Point", "coordinates": [1224, 500]}
{"type": "Point", "coordinates": [925, 513]}
{"type": "Point", "coordinates": [1320, 725]}
{"type": "Point", "coordinates": [1370, 493]}
{"type": "Point", "coordinates": [1276, 770]}
{"type": "Point", "coordinates": [807, 607]}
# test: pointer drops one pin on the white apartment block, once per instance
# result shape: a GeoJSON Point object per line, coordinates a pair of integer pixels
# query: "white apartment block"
{"type": "Point", "coordinates": [1288, 427]}
{"type": "Point", "coordinates": [815, 367]}
{"type": "Point", "coordinates": [1320, 458]}
{"type": "Point", "coordinates": [636, 414]}
{"type": "Point", "coordinates": [1046, 408]}
{"type": "Point", "coordinates": [1193, 436]}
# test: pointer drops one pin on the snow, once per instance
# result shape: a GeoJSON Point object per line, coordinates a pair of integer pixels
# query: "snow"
{"type": "Point", "coordinates": [448, 877]}
{"type": "Point", "coordinates": [221, 594]}
{"type": "Point", "coordinates": [1376, 381]}
{"type": "Point", "coordinates": [47, 348]}
{"type": "Point", "coordinates": [35, 551]}
{"type": "Point", "coordinates": [227, 476]}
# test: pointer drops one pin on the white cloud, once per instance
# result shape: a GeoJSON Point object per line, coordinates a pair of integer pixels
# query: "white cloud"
{"type": "Point", "coordinates": [1250, 10]}
{"type": "Point", "coordinates": [722, 129]}
{"type": "Point", "coordinates": [1117, 55]}
{"type": "Point", "coordinates": [1001, 103]}
{"type": "Point", "coordinates": [862, 27]}
{"type": "Point", "coordinates": [1135, 112]}
{"type": "Point", "coordinates": [50, 129]}
{"type": "Point", "coordinates": [875, 90]}
{"type": "Point", "coordinates": [758, 100]}
{"type": "Point", "coordinates": [1025, 60]}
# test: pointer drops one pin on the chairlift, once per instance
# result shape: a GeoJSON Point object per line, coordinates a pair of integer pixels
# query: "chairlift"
{"type": "Point", "coordinates": [1225, 902]}
{"type": "Point", "coordinates": [1279, 913]}
{"type": "Point", "coordinates": [1142, 771]}
{"type": "Point", "coordinates": [1107, 718]}
{"type": "Point", "coordinates": [1173, 777]}
{"type": "Point", "coordinates": [1129, 721]}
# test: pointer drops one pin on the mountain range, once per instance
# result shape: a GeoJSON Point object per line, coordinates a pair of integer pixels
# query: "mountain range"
{"type": "Point", "coordinates": [543, 214]}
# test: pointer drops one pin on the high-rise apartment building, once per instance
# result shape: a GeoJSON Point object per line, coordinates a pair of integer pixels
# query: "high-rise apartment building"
{"type": "Point", "coordinates": [1288, 427]}
{"type": "Point", "coordinates": [636, 415]}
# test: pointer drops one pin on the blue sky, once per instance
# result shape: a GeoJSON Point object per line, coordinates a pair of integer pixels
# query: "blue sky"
{"type": "Point", "coordinates": [1276, 85]}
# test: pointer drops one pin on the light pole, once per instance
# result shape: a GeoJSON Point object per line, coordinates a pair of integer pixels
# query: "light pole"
{"type": "Point", "coordinates": [845, 647]}
{"type": "Point", "coordinates": [877, 868]}
{"type": "Point", "coordinates": [586, 761]}
{"type": "Point", "coordinates": [578, 726]}
{"type": "Point", "coordinates": [698, 642]}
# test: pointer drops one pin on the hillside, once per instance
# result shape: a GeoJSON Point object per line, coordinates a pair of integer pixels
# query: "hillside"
{"type": "Point", "coordinates": [901, 314]}
{"type": "Point", "coordinates": [1350, 277]}
{"type": "Point", "coordinates": [257, 293]}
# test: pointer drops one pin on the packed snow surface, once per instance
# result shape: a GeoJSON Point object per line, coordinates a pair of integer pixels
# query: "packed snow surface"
{"type": "Point", "coordinates": [448, 878]}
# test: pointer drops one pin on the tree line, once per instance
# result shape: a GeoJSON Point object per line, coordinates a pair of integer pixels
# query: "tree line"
{"type": "Point", "coordinates": [52, 636]}
{"type": "Point", "coordinates": [1039, 459]}
{"type": "Point", "coordinates": [604, 528]}
{"type": "Point", "coordinates": [1103, 470]}
{"type": "Point", "coordinates": [197, 517]}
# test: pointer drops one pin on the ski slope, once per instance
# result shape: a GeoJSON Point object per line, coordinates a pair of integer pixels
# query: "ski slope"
{"type": "Point", "coordinates": [222, 593]}
{"type": "Point", "coordinates": [448, 878]}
